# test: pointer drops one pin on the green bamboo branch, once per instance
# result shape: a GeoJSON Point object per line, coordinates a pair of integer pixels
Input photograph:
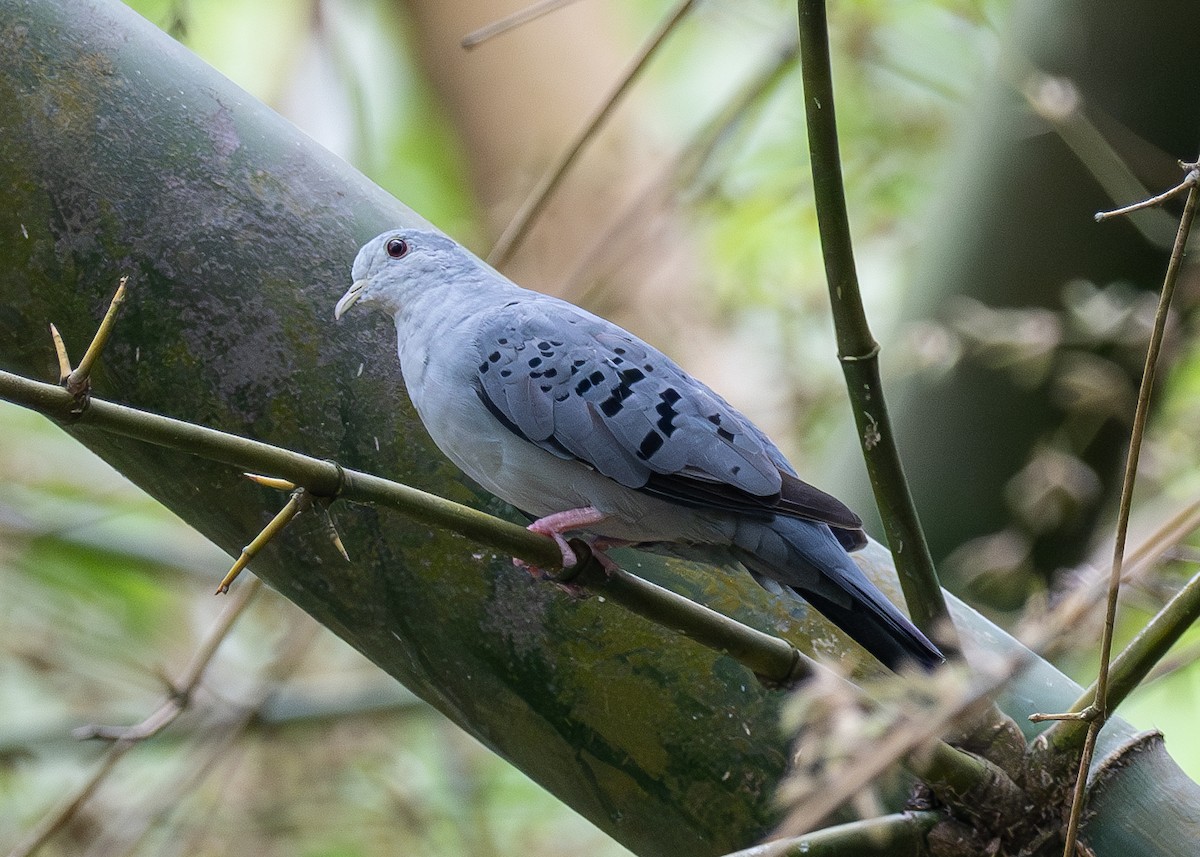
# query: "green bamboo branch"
{"type": "Point", "coordinates": [1135, 662]}
{"type": "Point", "coordinates": [857, 349]}
{"type": "Point", "coordinates": [773, 659]}
{"type": "Point", "coordinates": [899, 833]}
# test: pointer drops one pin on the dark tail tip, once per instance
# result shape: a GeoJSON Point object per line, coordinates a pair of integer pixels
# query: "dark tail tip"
{"type": "Point", "coordinates": [886, 634]}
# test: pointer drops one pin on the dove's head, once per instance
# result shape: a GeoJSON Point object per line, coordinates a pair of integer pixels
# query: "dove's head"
{"type": "Point", "coordinates": [394, 268]}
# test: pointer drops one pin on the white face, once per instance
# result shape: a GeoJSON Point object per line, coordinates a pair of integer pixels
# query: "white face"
{"type": "Point", "coordinates": [374, 257]}
{"type": "Point", "coordinates": [392, 268]}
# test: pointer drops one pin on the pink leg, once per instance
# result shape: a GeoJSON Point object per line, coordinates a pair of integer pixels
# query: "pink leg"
{"type": "Point", "coordinates": [560, 522]}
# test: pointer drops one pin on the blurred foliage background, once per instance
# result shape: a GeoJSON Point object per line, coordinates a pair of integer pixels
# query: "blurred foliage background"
{"type": "Point", "coordinates": [689, 222]}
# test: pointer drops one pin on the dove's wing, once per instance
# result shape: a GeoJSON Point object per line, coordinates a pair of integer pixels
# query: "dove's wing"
{"type": "Point", "coordinates": [583, 388]}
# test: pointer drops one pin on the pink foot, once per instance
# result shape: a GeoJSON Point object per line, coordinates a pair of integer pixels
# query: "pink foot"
{"type": "Point", "coordinates": [560, 522]}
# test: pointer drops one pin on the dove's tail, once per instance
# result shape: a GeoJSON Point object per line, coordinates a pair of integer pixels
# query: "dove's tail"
{"type": "Point", "coordinates": [805, 559]}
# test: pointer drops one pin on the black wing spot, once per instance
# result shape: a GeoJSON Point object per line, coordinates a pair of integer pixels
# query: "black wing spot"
{"type": "Point", "coordinates": [502, 341]}
{"type": "Point", "coordinates": [546, 388]}
{"type": "Point", "coordinates": [550, 373]}
{"type": "Point", "coordinates": [715, 419]}
{"type": "Point", "coordinates": [724, 434]}
{"type": "Point", "coordinates": [622, 391]}
{"type": "Point", "coordinates": [618, 350]}
{"type": "Point", "coordinates": [650, 444]}
{"type": "Point", "coordinates": [596, 377]}
{"type": "Point", "coordinates": [556, 343]}
{"type": "Point", "coordinates": [484, 366]}
{"type": "Point", "coordinates": [535, 362]}
{"type": "Point", "coordinates": [670, 395]}
{"type": "Point", "coordinates": [504, 373]}
{"type": "Point", "coordinates": [583, 386]}
{"type": "Point", "coordinates": [666, 412]}
{"type": "Point", "coordinates": [611, 406]}
{"type": "Point", "coordinates": [648, 368]}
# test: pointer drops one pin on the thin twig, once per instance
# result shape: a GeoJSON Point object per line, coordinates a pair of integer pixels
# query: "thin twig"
{"type": "Point", "coordinates": [1100, 702]}
{"type": "Point", "coordinates": [899, 833]}
{"type": "Point", "coordinates": [125, 738]}
{"type": "Point", "coordinates": [225, 731]}
{"type": "Point", "coordinates": [1152, 202]}
{"type": "Point", "coordinates": [510, 22]}
{"type": "Point", "coordinates": [518, 228]}
{"type": "Point", "coordinates": [857, 349]}
{"type": "Point", "coordinates": [321, 477]}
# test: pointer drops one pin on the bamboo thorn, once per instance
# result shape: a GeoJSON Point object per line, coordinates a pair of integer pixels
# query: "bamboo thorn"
{"type": "Point", "coordinates": [60, 349]}
{"type": "Point", "coordinates": [271, 482]}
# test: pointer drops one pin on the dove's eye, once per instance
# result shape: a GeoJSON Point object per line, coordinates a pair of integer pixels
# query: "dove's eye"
{"type": "Point", "coordinates": [397, 248]}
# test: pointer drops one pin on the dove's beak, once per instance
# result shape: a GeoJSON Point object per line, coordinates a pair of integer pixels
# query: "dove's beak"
{"type": "Point", "coordinates": [350, 298]}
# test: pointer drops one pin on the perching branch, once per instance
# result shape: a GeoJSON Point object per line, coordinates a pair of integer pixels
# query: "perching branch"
{"type": "Point", "coordinates": [857, 349]}
{"type": "Point", "coordinates": [776, 660]}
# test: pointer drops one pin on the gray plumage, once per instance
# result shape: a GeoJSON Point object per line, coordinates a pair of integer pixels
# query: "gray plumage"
{"type": "Point", "coordinates": [555, 409]}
